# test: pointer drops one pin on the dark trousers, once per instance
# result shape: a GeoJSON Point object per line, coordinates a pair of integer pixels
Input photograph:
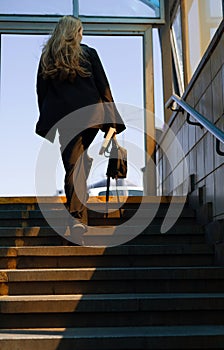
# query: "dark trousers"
{"type": "Point", "coordinates": [77, 166]}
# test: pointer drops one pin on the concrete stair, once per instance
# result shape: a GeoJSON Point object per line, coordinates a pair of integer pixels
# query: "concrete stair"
{"type": "Point", "coordinates": [157, 291]}
{"type": "Point", "coordinates": [111, 338]}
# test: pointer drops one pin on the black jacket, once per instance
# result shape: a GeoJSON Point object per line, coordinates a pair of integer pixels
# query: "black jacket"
{"type": "Point", "coordinates": [58, 98]}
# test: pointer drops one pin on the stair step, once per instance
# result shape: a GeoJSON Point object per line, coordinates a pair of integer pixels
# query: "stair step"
{"type": "Point", "coordinates": [127, 292]}
{"type": "Point", "coordinates": [59, 200]}
{"type": "Point", "coordinates": [104, 251]}
{"type": "Point", "coordinates": [57, 240]}
{"type": "Point", "coordinates": [112, 273]}
{"type": "Point", "coordinates": [120, 338]}
{"type": "Point", "coordinates": [98, 211]}
{"type": "Point", "coordinates": [108, 310]}
{"type": "Point", "coordinates": [153, 229]}
{"type": "Point", "coordinates": [111, 303]}
{"type": "Point", "coordinates": [107, 280]}
{"type": "Point", "coordinates": [150, 209]}
{"type": "Point", "coordinates": [123, 255]}
{"type": "Point", "coordinates": [41, 231]}
{"type": "Point", "coordinates": [45, 236]}
{"type": "Point", "coordinates": [93, 221]}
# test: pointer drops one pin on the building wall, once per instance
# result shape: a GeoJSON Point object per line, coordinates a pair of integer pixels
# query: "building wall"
{"type": "Point", "coordinates": [206, 94]}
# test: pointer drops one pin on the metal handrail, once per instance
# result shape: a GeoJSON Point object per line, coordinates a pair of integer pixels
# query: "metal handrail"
{"type": "Point", "coordinates": [201, 120]}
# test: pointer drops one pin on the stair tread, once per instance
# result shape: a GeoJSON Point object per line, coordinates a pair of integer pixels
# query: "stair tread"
{"type": "Point", "coordinates": [109, 273]}
{"type": "Point", "coordinates": [93, 199]}
{"type": "Point", "coordinates": [117, 250]}
{"type": "Point", "coordinates": [36, 231]}
{"type": "Point", "coordinates": [113, 296]}
{"type": "Point", "coordinates": [95, 210]}
{"type": "Point", "coordinates": [110, 303]}
{"type": "Point", "coordinates": [113, 332]}
{"type": "Point", "coordinates": [101, 338]}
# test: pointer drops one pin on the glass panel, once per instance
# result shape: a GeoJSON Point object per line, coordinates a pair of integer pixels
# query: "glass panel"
{"type": "Point", "coordinates": [202, 20]}
{"type": "Point", "coordinates": [120, 8]}
{"type": "Point", "coordinates": [177, 51]}
{"type": "Point", "coordinates": [19, 112]}
{"type": "Point", "coordinates": [34, 7]}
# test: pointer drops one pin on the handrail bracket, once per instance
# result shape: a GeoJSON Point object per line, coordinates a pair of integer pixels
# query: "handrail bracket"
{"type": "Point", "coordinates": [193, 123]}
{"type": "Point", "coordinates": [218, 149]}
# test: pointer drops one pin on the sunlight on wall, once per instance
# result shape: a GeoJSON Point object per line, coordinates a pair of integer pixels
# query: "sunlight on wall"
{"type": "Point", "coordinates": [202, 19]}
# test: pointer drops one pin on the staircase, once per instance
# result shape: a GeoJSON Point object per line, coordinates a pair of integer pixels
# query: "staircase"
{"type": "Point", "coordinates": [157, 291]}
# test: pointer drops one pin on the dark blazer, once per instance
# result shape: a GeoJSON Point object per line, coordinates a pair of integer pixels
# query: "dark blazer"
{"type": "Point", "coordinates": [57, 99]}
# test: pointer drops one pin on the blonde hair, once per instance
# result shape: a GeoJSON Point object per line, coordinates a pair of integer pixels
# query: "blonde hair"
{"type": "Point", "coordinates": [62, 54]}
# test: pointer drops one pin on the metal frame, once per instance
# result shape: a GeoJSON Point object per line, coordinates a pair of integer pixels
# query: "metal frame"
{"type": "Point", "coordinates": [180, 81]}
{"type": "Point", "coordinates": [128, 20]}
{"type": "Point", "coordinates": [75, 7]}
{"type": "Point", "coordinates": [149, 171]}
{"type": "Point", "coordinates": [166, 59]}
{"type": "Point", "coordinates": [33, 24]}
{"type": "Point", "coordinates": [27, 24]}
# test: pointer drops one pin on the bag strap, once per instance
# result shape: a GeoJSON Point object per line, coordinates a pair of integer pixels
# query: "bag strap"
{"type": "Point", "coordinates": [108, 178]}
{"type": "Point", "coordinates": [118, 199]}
{"type": "Point", "coordinates": [107, 196]}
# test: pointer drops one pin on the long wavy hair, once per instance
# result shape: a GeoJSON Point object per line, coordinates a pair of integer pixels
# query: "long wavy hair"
{"type": "Point", "coordinates": [62, 55]}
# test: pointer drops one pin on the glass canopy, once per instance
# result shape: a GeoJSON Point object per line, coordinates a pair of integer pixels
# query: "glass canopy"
{"type": "Point", "coordinates": [120, 8]}
{"type": "Point", "coordinates": [132, 9]}
{"type": "Point", "coordinates": [34, 7]}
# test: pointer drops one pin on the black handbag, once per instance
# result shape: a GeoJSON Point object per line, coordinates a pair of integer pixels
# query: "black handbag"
{"type": "Point", "coordinates": [117, 164]}
{"type": "Point", "coordinates": [117, 167]}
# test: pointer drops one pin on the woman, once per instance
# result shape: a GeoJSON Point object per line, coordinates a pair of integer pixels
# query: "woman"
{"type": "Point", "coordinates": [70, 77]}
